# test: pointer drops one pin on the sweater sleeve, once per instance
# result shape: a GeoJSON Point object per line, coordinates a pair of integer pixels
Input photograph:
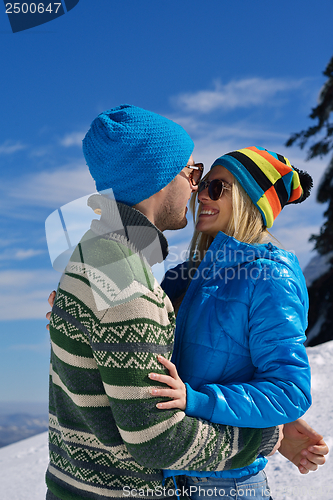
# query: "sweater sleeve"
{"type": "Point", "coordinates": [279, 391]}
{"type": "Point", "coordinates": [169, 438]}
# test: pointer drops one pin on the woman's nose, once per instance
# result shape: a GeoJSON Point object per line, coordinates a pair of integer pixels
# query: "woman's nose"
{"type": "Point", "coordinates": [203, 195]}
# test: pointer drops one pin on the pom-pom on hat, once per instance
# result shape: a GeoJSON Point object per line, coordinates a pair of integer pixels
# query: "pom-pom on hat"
{"type": "Point", "coordinates": [268, 178]}
{"type": "Point", "coordinates": [135, 152]}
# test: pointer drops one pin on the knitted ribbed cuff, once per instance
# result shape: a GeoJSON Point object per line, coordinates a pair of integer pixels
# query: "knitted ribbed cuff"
{"type": "Point", "coordinates": [198, 404]}
{"type": "Point", "coordinates": [269, 438]}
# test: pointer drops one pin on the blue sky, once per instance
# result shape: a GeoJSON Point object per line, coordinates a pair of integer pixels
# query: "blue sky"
{"type": "Point", "coordinates": [234, 74]}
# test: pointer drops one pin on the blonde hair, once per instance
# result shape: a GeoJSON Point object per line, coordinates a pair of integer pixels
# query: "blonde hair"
{"type": "Point", "coordinates": [245, 224]}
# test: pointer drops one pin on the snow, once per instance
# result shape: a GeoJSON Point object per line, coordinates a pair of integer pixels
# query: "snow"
{"type": "Point", "coordinates": [22, 469]}
{"type": "Point", "coordinates": [23, 464]}
{"type": "Point", "coordinates": [284, 479]}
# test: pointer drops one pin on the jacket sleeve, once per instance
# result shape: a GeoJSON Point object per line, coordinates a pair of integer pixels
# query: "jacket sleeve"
{"type": "Point", "coordinates": [175, 281]}
{"type": "Point", "coordinates": [279, 391]}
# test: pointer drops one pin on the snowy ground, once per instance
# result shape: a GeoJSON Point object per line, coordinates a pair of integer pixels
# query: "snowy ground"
{"type": "Point", "coordinates": [23, 464]}
{"type": "Point", "coordinates": [284, 479]}
{"type": "Point", "coordinates": [22, 469]}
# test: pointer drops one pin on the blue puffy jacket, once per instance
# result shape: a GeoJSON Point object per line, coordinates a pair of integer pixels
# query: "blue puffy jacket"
{"type": "Point", "coordinates": [239, 336]}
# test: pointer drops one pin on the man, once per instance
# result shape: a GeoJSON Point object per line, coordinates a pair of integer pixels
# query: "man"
{"type": "Point", "coordinates": [110, 320]}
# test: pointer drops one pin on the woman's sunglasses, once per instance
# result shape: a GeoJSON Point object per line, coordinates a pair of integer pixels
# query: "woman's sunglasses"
{"type": "Point", "coordinates": [215, 188]}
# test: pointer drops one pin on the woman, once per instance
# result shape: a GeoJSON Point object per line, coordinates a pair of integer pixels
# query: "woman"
{"type": "Point", "coordinates": [240, 327]}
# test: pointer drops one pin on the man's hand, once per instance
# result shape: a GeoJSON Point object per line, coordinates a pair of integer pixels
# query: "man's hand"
{"type": "Point", "coordinates": [303, 446]}
{"type": "Point", "coordinates": [51, 302]}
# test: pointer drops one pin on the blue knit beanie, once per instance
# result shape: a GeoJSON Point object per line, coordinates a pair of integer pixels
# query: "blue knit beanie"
{"type": "Point", "coordinates": [135, 152]}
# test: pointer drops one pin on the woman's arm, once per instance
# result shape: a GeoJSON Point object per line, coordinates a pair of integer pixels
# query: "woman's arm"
{"type": "Point", "coordinates": [301, 444]}
{"type": "Point", "coordinates": [279, 390]}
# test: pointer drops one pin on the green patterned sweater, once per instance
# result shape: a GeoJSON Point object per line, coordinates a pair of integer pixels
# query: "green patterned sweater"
{"type": "Point", "coordinates": [109, 322]}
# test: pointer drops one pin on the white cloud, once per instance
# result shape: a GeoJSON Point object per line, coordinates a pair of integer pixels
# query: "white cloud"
{"type": "Point", "coordinates": [20, 254]}
{"type": "Point", "coordinates": [16, 280]}
{"type": "Point", "coordinates": [5, 242]}
{"type": "Point", "coordinates": [213, 139]}
{"type": "Point", "coordinates": [245, 93]}
{"type": "Point", "coordinates": [27, 254]}
{"type": "Point", "coordinates": [219, 140]}
{"type": "Point", "coordinates": [40, 151]}
{"type": "Point", "coordinates": [49, 188]}
{"type": "Point", "coordinates": [295, 239]}
{"type": "Point", "coordinates": [41, 347]}
{"type": "Point", "coordinates": [10, 147]}
{"type": "Point", "coordinates": [73, 139]}
{"type": "Point", "coordinates": [24, 293]}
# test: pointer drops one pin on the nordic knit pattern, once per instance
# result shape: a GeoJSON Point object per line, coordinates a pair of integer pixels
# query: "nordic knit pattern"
{"type": "Point", "coordinates": [109, 322]}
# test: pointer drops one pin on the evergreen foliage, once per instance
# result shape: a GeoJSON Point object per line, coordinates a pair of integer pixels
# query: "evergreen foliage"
{"type": "Point", "coordinates": [321, 290]}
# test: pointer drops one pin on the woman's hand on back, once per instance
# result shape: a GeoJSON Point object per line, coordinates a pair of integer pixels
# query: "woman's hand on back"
{"type": "Point", "coordinates": [176, 390]}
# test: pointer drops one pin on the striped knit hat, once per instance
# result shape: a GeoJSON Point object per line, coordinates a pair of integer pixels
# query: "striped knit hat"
{"type": "Point", "coordinates": [134, 152]}
{"type": "Point", "coordinates": [268, 178]}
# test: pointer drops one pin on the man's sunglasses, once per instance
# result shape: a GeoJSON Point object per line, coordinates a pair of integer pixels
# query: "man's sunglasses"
{"type": "Point", "coordinates": [196, 174]}
{"type": "Point", "coordinates": [215, 188]}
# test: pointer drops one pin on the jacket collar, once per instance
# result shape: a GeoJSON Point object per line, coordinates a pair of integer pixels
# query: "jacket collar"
{"type": "Point", "coordinates": [126, 224]}
{"type": "Point", "coordinates": [229, 252]}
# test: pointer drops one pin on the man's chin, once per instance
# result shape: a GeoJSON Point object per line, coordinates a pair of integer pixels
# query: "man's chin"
{"type": "Point", "coordinates": [179, 225]}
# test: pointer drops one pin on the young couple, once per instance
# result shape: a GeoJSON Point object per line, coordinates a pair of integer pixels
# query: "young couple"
{"type": "Point", "coordinates": [238, 359]}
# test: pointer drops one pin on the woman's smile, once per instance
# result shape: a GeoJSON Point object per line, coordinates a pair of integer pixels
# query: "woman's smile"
{"type": "Point", "coordinates": [207, 211]}
{"type": "Point", "coordinates": [215, 214]}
